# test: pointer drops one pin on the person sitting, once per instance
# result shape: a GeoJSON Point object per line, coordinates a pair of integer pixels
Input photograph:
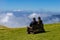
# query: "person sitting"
{"type": "Point", "coordinates": [33, 26]}
{"type": "Point", "coordinates": [40, 25]}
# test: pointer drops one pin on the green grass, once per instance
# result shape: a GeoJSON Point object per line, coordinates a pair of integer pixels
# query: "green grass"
{"type": "Point", "coordinates": [52, 33]}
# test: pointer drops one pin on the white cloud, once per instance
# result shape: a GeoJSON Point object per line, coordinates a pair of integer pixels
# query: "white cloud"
{"type": "Point", "coordinates": [18, 10]}
{"type": "Point", "coordinates": [12, 21]}
{"type": "Point", "coordinates": [54, 20]}
{"type": "Point", "coordinates": [9, 14]}
{"type": "Point", "coordinates": [44, 15]}
{"type": "Point", "coordinates": [33, 15]}
{"type": "Point", "coordinates": [6, 17]}
{"type": "Point", "coordinates": [36, 15]}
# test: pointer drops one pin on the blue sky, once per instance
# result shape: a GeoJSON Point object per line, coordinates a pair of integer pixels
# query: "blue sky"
{"type": "Point", "coordinates": [14, 12]}
{"type": "Point", "coordinates": [48, 5]}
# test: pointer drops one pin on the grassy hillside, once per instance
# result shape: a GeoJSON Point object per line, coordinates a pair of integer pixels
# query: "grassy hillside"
{"type": "Point", "coordinates": [52, 33]}
{"type": "Point", "coordinates": [2, 27]}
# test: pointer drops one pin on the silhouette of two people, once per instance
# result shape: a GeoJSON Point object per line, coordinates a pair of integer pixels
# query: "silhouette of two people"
{"type": "Point", "coordinates": [36, 26]}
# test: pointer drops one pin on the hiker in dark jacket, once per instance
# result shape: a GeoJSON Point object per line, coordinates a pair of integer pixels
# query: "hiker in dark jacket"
{"type": "Point", "coordinates": [33, 25]}
{"type": "Point", "coordinates": [40, 25]}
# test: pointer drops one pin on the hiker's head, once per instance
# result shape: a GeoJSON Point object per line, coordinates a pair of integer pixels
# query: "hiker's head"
{"type": "Point", "coordinates": [39, 18]}
{"type": "Point", "coordinates": [34, 19]}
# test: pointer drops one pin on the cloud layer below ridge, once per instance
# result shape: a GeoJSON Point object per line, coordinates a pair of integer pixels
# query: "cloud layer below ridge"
{"type": "Point", "coordinates": [21, 18]}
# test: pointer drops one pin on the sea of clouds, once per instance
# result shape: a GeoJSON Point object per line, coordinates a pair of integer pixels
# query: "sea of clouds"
{"type": "Point", "coordinates": [18, 18]}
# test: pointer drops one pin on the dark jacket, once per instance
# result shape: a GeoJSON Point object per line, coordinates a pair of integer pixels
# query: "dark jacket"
{"type": "Point", "coordinates": [33, 24]}
{"type": "Point", "coordinates": [40, 23]}
{"type": "Point", "coordinates": [41, 26]}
